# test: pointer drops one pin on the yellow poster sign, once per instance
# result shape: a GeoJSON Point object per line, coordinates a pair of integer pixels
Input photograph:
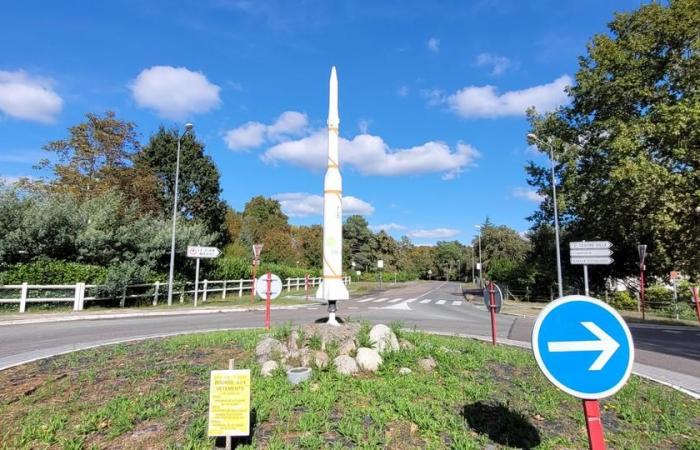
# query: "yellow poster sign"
{"type": "Point", "coordinates": [229, 403]}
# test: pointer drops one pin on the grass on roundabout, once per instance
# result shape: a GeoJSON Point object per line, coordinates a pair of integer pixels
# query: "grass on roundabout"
{"type": "Point", "coordinates": [154, 394]}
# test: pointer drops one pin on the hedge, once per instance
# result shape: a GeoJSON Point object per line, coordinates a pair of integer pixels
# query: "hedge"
{"type": "Point", "coordinates": [47, 271]}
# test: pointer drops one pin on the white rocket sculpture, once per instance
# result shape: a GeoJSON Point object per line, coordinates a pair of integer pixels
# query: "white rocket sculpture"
{"type": "Point", "coordinates": [332, 288]}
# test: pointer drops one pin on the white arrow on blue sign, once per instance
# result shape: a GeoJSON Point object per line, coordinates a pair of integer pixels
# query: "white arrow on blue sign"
{"type": "Point", "coordinates": [583, 346]}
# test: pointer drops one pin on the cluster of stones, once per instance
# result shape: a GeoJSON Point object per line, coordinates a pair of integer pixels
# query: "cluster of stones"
{"type": "Point", "coordinates": [273, 354]}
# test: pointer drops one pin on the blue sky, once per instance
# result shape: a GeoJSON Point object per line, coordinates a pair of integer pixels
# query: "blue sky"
{"type": "Point", "coordinates": [432, 94]}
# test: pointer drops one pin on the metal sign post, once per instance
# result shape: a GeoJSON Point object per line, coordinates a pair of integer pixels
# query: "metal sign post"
{"type": "Point", "coordinates": [642, 256]}
{"type": "Point", "coordinates": [199, 252]}
{"type": "Point", "coordinates": [267, 306]}
{"type": "Point", "coordinates": [257, 249]}
{"type": "Point", "coordinates": [585, 253]}
{"type": "Point", "coordinates": [584, 347]}
{"type": "Point", "coordinates": [196, 282]}
{"type": "Point", "coordinates": [492, 311]}
{"type": "Point", "coordinates": [268, 287]}
{"type": "Point", "coordinates": [380, 266]}
{"type": "Point", "coordinates": [306, 286]}
{"type": "Point", "coordinates": [493, 299]}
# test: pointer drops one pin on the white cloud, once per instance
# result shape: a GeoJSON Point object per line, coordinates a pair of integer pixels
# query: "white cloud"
{"type": "Point", "coordinates": [387, 227]}
{"type": "Point", "coordinates": [498, 64]}
{"type": "Point", "coordinates": [175, 93]}
{"type": "Point", "coordinates": [254, 134]}
{"type": "Point", "coordinates": [370, 155]}
{"type": "Point", "coordinates": [27, 97]}
{"type": "Point", "coordinates": [434, 233]}
{"type": "Point", "coordinates": [433, 44]}
{"type": "Point", "coordinates": [402, 91]}
{"type": "Point", "coordinates": [249, 135]}
{"type": "Point", "coordinates": [302, 204]}
{"type": "Point", "coordinates": [435, 96]}
{"type": "Point", "coordinates": [289, 123]}
{"type": "Point", "coordinates": [486, 102]}
{"type": "Point", "coordinates": [527, 194]}
{"type": "Point", "coordinates": [363, 125]}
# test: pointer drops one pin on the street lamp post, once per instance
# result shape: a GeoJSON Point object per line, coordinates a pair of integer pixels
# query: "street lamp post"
{"type": "Point", "coordinates": [472, 261]}
{"type": "Point", "coordinates": [188, 127]}
{"type": "Point", "coordinates": [642, 255]}
{"type": "Point", "coordinates": [556, 212]}
{"type": "Point", "coordinates": [481, 266]}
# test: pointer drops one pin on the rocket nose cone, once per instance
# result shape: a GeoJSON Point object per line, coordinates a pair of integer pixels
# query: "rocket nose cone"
{"type": "Point", "coordinates": [334, 76]}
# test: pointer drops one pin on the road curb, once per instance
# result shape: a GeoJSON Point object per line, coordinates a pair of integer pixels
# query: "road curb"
{"type": "Point", "coordinates": [130, 315]}
{"type": "Point", "coordinates": [654, 374]}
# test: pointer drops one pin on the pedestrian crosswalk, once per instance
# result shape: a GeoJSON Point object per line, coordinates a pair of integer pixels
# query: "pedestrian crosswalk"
{"type": "Point", "coordinates": [399, 301]}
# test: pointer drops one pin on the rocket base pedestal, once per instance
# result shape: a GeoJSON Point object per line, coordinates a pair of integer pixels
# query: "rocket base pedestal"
{"type": "Point", "coordinates": [335, 289]}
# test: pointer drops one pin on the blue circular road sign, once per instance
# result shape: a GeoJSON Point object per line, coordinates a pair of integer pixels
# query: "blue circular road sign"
{"type": "Point", "coordinates": [583, 346]}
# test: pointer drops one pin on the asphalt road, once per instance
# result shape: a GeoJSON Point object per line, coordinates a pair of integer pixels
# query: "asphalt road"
{"type": "Point", "coordinates": [431, 306]}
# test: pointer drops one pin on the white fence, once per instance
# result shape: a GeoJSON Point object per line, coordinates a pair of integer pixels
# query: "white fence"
{"type": "Point", "coordinates": [79, 293]}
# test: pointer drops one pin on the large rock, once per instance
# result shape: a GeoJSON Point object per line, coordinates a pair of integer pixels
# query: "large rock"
{"type": "Point", "coordinates": [321, 359]}
{"type": "Point", "coordinates": [428, 364]}
{"type": "Point", "coordinates": [269, 348]}
{"type": "Point", "coordinates": [347, 347]}
{"type": "Point", "coordinates": [383, 339]}
{"type": "Point", "coordinates": [368, 359]}
{"type": "Point", "coordinates": [345, 365]}
{"type": "Point", "coordinates": [268, 368]}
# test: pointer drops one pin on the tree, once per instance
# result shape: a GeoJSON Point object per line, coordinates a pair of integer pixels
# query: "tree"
{"type": "Point", "coordinates": [265, 223]}
{"type": "Point", "coordinates": [447, 255]}
{"type": "Point", "coordinates": [309, 243]}
{"type": "Point", "coordinates": [98, 157]}
{"type": "Point", "coordinates": [386, 249]}
{"type": "Point", "coordinates": [632, 176]}
{"type": "Point", "coordinates": [501, 242]}
{"type": "Point", "coordinates": [198, 191]}
{"type": "Point", "coordinates": [360, 243]}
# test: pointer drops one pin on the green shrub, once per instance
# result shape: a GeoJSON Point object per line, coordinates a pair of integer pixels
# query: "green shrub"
{"type": "Point", "coordinates": [623, 300]}
{"type": "Point", "coordinates": [235, 268]}
{"type": "Point", "coordinates": [48, 271]}
{"type": "Point", "coordinates": [658, 296]}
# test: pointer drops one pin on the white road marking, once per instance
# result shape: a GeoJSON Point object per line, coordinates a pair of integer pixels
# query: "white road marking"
{"type": "Point", "coordinates": [671, 331]}
{"type": "Point", "coordinates": [427, 300]}
{"type": "Point", "coordinates": [365, 300]}
{"type": "Point", "coordinates": [440, 302]}
{"type": "Point", "coordinates": [456, 303]}
{"type": "Point", "coordinates": [380, 300]}
{"type": "Point", "coordinates": [411, 300]}
{"type": "Point", "coordinates": [395, 300]}
{"type": "Point", "coordinates": [353, 307]}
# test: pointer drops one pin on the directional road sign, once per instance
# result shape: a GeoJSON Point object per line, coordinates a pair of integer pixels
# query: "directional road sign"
{"type": "Point", "coordinates": [592, 252]}
{"type": "Point", "coordinates": [590, 244]}
{"type": "Point", "coordinates": [196, 251]}
{"type": "Point", "coordinates": [592, 260]}
{"type": "Point", "coordinates": [583, 347]}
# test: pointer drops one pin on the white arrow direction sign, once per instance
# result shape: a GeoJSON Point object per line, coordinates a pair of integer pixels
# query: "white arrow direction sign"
{"type": "Point", "coordinates": [591, 260]}
{"type": "Point", "coordinates": [591, 252]}
{"type": "Point", "coordinates": [590, 244]}
{"type": "Point", "coordinates": [606, 345]}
